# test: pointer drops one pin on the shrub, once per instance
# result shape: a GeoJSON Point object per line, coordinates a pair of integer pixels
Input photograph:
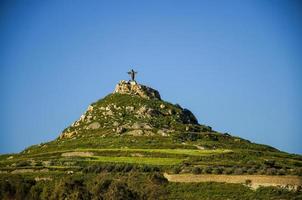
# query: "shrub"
{"type": "Point", "coordinates": [71, 188]}
{"type": "Point", "coordinates": [158, 178]}
{"type": "Point", "coordinates": [297, 171]}
{"type": "Point", "coordinates": [128, 168]}
{"type": "Point", "coordinates": [146, 168]}
{"type": "Point", "coordinates": [100, 188]}
{"type": "Point", "coordinates": [23, 164]}
{"type": "Point", "coordinates": [217, 170]}
{"type": "Point", "coordinates": [248, 182]}
{"type": "Point", "coordinates": [271, 171]}
{"type": "Point", "coordinates": [118, 168]}
{"type": "Point", "coordinates": [207, 170]}
{"type": "Point", "coordinates": [109, 167]}
{"type": "Point", "coordinates": [15, 187]}
{"type": "Point", "coordinates": [270, 163]}
{"type": "Point", "coordinates": [196, 170]}
{"type": "Point", "coordinates": [251, 162]}
{"type": "Point", "coordinates": [281, 172]}
{"type": "Point", "coordinates": [176, 170]}
{"type": "Point", "coordinates": [238, 171]}
{"type": "Point", "coordinates": [35, 191]}
{"type": "Point", "coordinates": [228, 170]}
{"type": "Point", "coordinates": [119, 190]}
{"type": "Point", "coordinates": [251, 170]}
{"type": "Point", "coordinates": [261, 171]}
{"type": "Point", "coordinates": [39, 163]}
{"type": "Point", "coordinates": [93, 169]}
{"type": "Point", "coordinates": [155, 169]}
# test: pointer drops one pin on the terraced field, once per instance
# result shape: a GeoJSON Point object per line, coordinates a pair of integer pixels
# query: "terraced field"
{"type": "Point", "coordinates": [124, 155]}
{"type": "Point", "coordinates": [138, 160]}
{"type": "Point", "coordinates": [253, 181]}
{"type": "Point", "coordinates": [140, 171]}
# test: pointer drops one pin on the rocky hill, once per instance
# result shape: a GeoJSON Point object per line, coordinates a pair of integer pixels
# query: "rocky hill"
{"type": "Point", "coordinates": [131, 144]}
{"type": "Point", "coordinates": [134, 109]}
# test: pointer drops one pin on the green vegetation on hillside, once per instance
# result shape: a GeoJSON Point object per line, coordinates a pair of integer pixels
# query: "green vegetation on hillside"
{"type": "Point", "coordinates": [121, 146]}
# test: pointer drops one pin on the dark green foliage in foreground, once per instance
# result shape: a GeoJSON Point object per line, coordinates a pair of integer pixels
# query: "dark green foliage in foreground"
{"type": "Point", "coordinates": [15, 187]}
{"type": "Point", "coordinates": [128, 186]}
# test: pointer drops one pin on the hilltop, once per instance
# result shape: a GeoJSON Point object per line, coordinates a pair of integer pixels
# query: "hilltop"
{"type": "Point", "coordinates": [133, 109]}
{"type": "Point", "coordinates": [131, 144]}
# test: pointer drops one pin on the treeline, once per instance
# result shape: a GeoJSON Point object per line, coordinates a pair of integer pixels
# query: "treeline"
{"type": "Point", "coordinates": [120, 168]}
{"type": "Point", "coordinates": [128, 186]}
{"type": "Point", "coordinates": [90, 186]}
{"type": "Point", "coordinates": [237, 170]}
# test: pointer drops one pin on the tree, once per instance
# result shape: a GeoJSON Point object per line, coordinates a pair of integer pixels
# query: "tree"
{"type": "Point", "coordinates": [70, 188]}
{"type": "Point", "coordinates": [120, 191]}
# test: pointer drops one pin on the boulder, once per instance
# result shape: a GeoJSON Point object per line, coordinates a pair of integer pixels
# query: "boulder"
{"type": "Point", "coordinates": [142, 110]}
{"type": "Point", "coordinates": [94, 125]}
{"type": "Point", "coordinates": [136, 133]}
{"type": "Point", "coordinates": [116, 124]}
{"type": "Point", "coordinates": [162, 133]}
{"type": "Point", "coordinates": [140, 133]}
{"type": "Point", "coordinates": [138, 125]}
{"type": "Point", "coordinates": [68, 134]}
{"type": "Point", "coordinates": [187, 117]}
{"type": "Point", "coordinates": [129, 108]}
{"type": "Point", "coordinates": [120, 130]}
{"type": "Point", "coordinates": [132, 88]}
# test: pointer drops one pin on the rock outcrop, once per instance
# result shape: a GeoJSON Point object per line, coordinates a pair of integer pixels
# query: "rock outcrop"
{"type": "Point", "coordinates": [133, 88]}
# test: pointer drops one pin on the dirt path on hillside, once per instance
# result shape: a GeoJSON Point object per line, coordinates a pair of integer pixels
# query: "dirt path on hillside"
{"type": "Point", "coordinates": [77, 153]}
{"type": "Point", "coordinates": [254, 180]}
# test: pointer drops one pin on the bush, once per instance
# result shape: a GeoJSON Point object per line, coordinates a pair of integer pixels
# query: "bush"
{"type": "Point", "coordinates": [188, 136]}
{"type": "Point", "coordinates": [120, 191]}
{"type": "Point", "coordinates": [128, 168]}
{"type": "Point", "coordinates": [217, 171]}
{"type": "Point", "coordinates": [261, 171]}
{"type": "Point", "coordinates": [270, 163]}
{"type": "Point", "coordinates": [39, 163]}
{"type": "Point", "coordinates": [158, 178]}
{"type": "Point", "coordinates": [23, 164]}
{"type": "Point", "coordinates": [109, 167]}
{"type": "Point", "coordinates": [176, 170]}
{"type": "Point", "coordinates": [71, 188]}
{"type": "Point", "coordinates": [100, 188]}
{"type": "Point", "coordinates": [238, 171]}
{"type": "Point", "coordinates": [281, 172]}
{"type": "Point", "coordinates": [297, 171]}
{"type": "Point", "coordinates": [248, 182]}
{"type": "Point", "coordinates": [36, 191]}
{"type": "Point", "coordinates": [196, 170]}
{"type": "Point", "coordinates": [146, 168]}
{"type": "Point", "coordinates": [271, 171]}
{"type": "Point", "coordinates": [228, 171]}
{"type": "Point", "coordinates": [207, 170]}
{"type": "Point", "coordinates": [93, 169]}
{"type": "Point", "coordinates": [118, 168]}
{"type": "Point", "coordinates": [15, 187]}
{"type": "Point", "coordinates": [251, 170]}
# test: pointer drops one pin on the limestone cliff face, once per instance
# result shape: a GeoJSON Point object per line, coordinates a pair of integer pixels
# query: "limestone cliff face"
{"type": "Point", "coordinates": [133, 88]}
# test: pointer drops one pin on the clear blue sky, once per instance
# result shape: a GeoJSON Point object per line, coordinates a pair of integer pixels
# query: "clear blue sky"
{"type": "Point", "coordinates": [237, 65]}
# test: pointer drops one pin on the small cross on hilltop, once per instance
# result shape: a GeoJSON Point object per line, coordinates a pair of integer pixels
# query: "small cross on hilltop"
{"type": "Point", "coordinates": [132, 74]}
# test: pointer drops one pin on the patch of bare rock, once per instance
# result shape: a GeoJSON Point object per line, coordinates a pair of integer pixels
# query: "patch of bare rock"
{"type": "Point", "coordinates": [132, 88]}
